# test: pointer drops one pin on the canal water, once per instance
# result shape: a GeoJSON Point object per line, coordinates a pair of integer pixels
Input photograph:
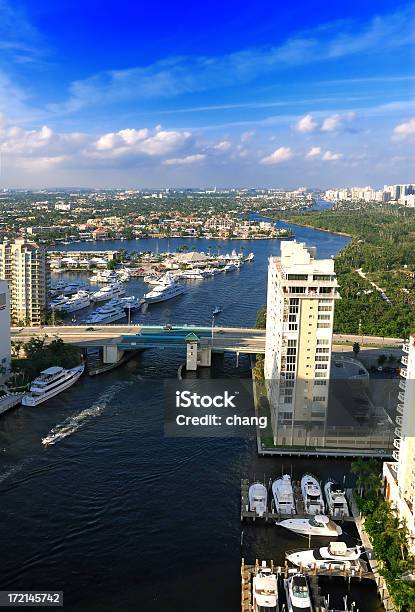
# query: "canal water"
{"type": "Point", "coordinates": [121, 518]}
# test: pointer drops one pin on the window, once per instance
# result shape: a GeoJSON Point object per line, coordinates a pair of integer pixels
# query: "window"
{"type": "Point", "coordinates": [322, 350]}
{"type": "Point", "coordinates": [323, 277]}
{"type": "Point", "coordinates": [321, 366]}
{"type": "Point", "coordinates": [323, 341]}
{"type": "Point", "coordinates": [326, 289]}
{"type": "Point", "coordinates": [319, 398]}
{"type": "Point", "coordinates": [297, 289]}
{"type": "Point", "coordinates": [323, 325]}
{"type": "Point", "coordinates": [297, 276]}
{"type": "Point", "coordinates": [320, 383]}
{"type": "Point", "coordinates": [324, 317]}
{"type": "Point", "coordinates": [324, 308]}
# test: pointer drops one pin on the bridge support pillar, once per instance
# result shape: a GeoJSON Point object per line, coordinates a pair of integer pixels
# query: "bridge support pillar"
{"type": "Point", "coordinates": [111, 354]}
{"type": "Point", "coordinates": [205, 357]}
{"type": "Point", "coordinates": [191, 356]}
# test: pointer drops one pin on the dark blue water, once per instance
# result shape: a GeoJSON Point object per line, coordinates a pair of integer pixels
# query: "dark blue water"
{"type": "Point", "coordinates": [116, 515]}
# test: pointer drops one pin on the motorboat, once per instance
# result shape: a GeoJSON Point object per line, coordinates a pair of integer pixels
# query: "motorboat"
{"type": "Point", "coordinates": [230, 267]}
{"type": "Point", "coordinates": [58, 302]}
{"type": "Point", "coordinates": [336, 555]}
{"type": "Point", "coordinates": [297, 593]}
{"type": "Point", "coordinates": [72, 288]}
{"type": "Point", "coordinates": [250, 257]}
{"type": "Point", "coordinates": [108, 292]}
{"type": "Point", "coordinates": [312, 496]}
{"type": "Point", "coordinates": [152, 279]}
{"type": "Point", "coordinates": [166, 291]}
{"type": "Point", "coordinates": [336, 499]}
{"type": "Point", "coordinates": [51, 382]}
{"type": "Point", "coordinates": [258, 498]}
{"type": "Point", "coordinates": [106, 314]}
{"type": "Point", "coordinates": [194, 274]}
{"type": "Point", "coordinates": [265, 590]}
{"type": "Point", "coordinates": [77, 302]}
{"type": "Point", "coordinates": [319, 525]}
{"type": "Point", "coordinates": [283, 495]}
{"type": "Point", "coordinates": [216, 311]}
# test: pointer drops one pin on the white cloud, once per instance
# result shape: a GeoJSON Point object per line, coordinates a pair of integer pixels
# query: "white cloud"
{"type": "Point", "coordinates": [184, 161]}
{"type": "Point", "coordinates": [404, 130]}
{"type": "Point", "coordinates": [314, 152]}
{"type": "Point", "coordinates": [129, 141]}
{"type": "Point", "coordinates": [247, 136]}
{"type": "Point", "coordinates": [306, 124]}
{"type": "Point", "coordinates": [223, 146]}
{"type": "Point", "coordinates": [331, 124]}
{"type": "Point", "coordinates": [279, 155]}
{"type": "Point", "coordinates": [330, 156]}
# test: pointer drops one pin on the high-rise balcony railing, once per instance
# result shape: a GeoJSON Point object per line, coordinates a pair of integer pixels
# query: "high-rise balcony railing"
{"type": "Point", "coordinates": [405, 347]}
{"type": "Point", "coordinates": [398, 432]}
{"type": "Point", "coordinates": [402, 385]}
{"type": "Point", "coordinates": [397, 443]}
{"type": "Point", "coordinates": [395, 455]}
{"type": "Point", "coordinates": [404, 372]}
{"type": "Point", "coordinates": [399, 420]}
{"type": "Point", "coordinates": [404, 360]}
{"type": "Point", "coordinates": [401, 398]}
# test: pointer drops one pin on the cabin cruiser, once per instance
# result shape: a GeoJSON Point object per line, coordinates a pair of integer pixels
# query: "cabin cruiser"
{"type": "Point", "coordinates": [318, 525]}
{"type": "Point", "coordinates": [336, 500]}
{"type": "Point", "coordinates": [313, 499]}
{"type": "Point", "coordinates": [106, 314]}
{"type": "Point", "coordinates": [265, 590]}
{"type": "Point", "coordinates": [50, 382]}
{"type": "Point", "coordinates": [108, 292]}
{"type": "Point", "coordinates": [258, 498]}
{"type": "Point", "coordinates": [298, 594]}
{"type": "Point", "coordinates": [152, 278]}
{"type": "Point", "coordinates": [194, 274]}
{"type": "Point", "coordinates": [166, 291]}
{"type": "Point", "coordinates": [230, 267]}
{"type": "Point", "coordinates": [336, 554]}
{"type": "Point", "coordinates": [72, 288]}
{"type": "Point", "coordinates": [58, 302]}
{"type": "Point", "coordinates": [77, 302]}
{"type": "Point", "coordinates": [282, 492]}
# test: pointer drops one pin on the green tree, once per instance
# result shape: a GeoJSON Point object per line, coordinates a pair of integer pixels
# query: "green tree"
{"type": "Point", "coordinates": [356, 348]}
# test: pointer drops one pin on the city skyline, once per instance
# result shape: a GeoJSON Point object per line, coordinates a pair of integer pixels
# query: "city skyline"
{"type": "Point", "coordinates": [149, 96]}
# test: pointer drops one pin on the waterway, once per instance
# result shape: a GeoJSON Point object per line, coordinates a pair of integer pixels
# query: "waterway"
{"type": "Point", "coordinates": [121, 518]}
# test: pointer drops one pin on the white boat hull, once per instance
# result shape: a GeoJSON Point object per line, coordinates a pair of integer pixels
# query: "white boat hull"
{"type": "Point", "coordinates": [303, 527]}
{"type": "Point", "coordinates": [73, 375]}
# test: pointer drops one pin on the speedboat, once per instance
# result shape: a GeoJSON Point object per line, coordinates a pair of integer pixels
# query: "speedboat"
{"type": "Point", "coordinates": [250, 257]}
{"type": "Point", "coordinates": [108, 292]}
{"type": "Point", "coordinates": [77, 302]}
{"type": "Point", "coordinates": [283, 494]}
{"type": "Point", "coordinates": [298, 594]}
{"type": "Point", "coordinates": [230, 267]}
{"type": "Point", "coordinates": [265, 590]}
{"type": "Point", "coordinates": [335, 555]}
{"type": "Point", "coordinates": [106, 314]}
{"type": "Point", "coordinates": [258, 498]}
{"type": "Point", "coordinates": [336, 500]}
{"type": "Point", "coordinates": [318, 525]}
{"type": "Point", "coordinates": [50, 382]}
{"type": "Point", "coordinates": [313, 499]}
{"type": "Point", "coordinates": [166, 291]}
{"type": "Point", "coordinates": [216, 311]}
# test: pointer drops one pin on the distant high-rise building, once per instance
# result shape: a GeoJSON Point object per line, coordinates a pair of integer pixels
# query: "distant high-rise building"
{"type": "Point", "coordinates": [400, 475]}
{"type": "Point", "coordinates": [24, 265]}
{"type": "Point", "coordinates": [300, 306]}
{"type": "Point", "coordinates": [4, 331]}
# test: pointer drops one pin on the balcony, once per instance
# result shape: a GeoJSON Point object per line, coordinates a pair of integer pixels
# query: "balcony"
{"type": "Point", "coordinates": [404, 373]}
{"type": "Point", "coordinates": [401, 398]}
{"type": "Point", "coordinates": [400, 408]}
{"type": "Point", "coordinates": [395, 455]}
{"type": "Point", "coordinates": [399, 420]}
{"type": "Point", "coordinates": [402, 385]}
{"type": "Point", "coordinates": [405, 347]}
{"type": "Point", "coordinates": [404, 360]}
{"type": "Point", "coordinates": [398, 432]}
{"type": "Point", "coordinates": [397, 443]}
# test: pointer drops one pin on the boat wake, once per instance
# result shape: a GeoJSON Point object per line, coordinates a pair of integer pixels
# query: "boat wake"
{"type": "Point", "coordinates": [76, 421]}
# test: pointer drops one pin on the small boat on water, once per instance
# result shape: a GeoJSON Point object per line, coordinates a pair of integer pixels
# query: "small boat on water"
{"type": "Point", "coordinates": [216, 311]}
{"type": "Point", "coordinates": [298, 594]}
{"type": "Point", "coordinates": [165, 291]}
{"type": "Point", "coordinates": [258, 498]}
{"type": "Point", "coordinates": [312, 496]}
{"type": "Point", "coordinates": [282, 491]}
{"type": "Point", "coordinates": [336, 500]}
{"type": "Point", "coordinates": [106, 314]}
{"type": "Point", "coordinates": [250, 257]}
{"type": "Point", "coordinates": [194, 274]}
{"type": "Point", "coordinates": [336, 555]}
{"type": "Point", "coordinates": [318, 525]}
{"type": "Point", "coordinates": [51, 382]}
{"type": "Point", "coordinates": [265, 590]}
{"type": "Point", "coordinates": [230, 267]}
{"type": "Point", "coordinates": [108, 292]}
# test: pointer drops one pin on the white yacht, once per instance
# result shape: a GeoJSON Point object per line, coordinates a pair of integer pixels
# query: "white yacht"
{"type": "Point", "coordinates": [77, 302]}
{"type": "Point", "coordinates": [58, 302]}
{"type": "Point", "coordinates": [194, 274]}
{"type": "Point", "coordinates": [336, 500]}
{"type": "Point", "coordinates": [283, 494]}
{"type": "Point", "coordinates": [335, 555]}
{"type": "Point", "coordinates": [265, 590]}
{"type": "Point", "coordinates": [72, 288]}
{"type": "Point", "coordinates": [166, 291]}
{"type": "Point", "coordinates": [318, 525]}
{"type": "Point", "coordinates": [230, 267]}
{"type": "Point", "coordinates": [312, 496]}
{"type": "Point", "coordinates": [106, 314]}
{"type": "Point", "coordinates": [298, 594]}
{"type": "Point", "coordinates": [250, 257]}
{"type": "Point", "coordinates": [152, 278]}
{"type": "Point", "coordinates": [51, 382]}
{"type": "Point", "coordinates": [108, 292]}
{"type": "Point", "coordinates": [258, 498]}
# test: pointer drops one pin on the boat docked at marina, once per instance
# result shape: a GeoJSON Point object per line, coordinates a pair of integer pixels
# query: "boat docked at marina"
{"type": "Point", "coordinates": [336, 555]}
{"type": "Point", "coordinates": [72, 288]}
{"type": "Point", "coordinates": [257, 495]}
{"type": "Point", "coordinates": [230, 267]}
{"type": "Point", "coordinates": [336, 500]}
{"type": "Point", "coordinates": [298, 594]}
{"type": "Point", "coordinates": [108, 292]}
{"type": "Point", "coordinates": [51, 382]}
{"type": "Point", "coordinates": [283, 495]}
{"type": "Point", "coordinates": [165, 291]}
{"type": "Point", "coordinates": [58, 302]}
{"type": "Point", "coordinates": [319, 525]}
{"type": "Point", "coordinates": [77, 302]}
{"type": "Point", "coordinates": [193, 274]}
{"type": "Point", "coordinates": [106, 314]}
{"type": "Point", "coordinates": [312, 496]}
{"type": "Point", "coordinates": [265, 590]}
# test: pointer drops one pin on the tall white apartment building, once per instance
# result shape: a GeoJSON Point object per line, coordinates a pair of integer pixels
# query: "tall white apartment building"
{"type": "Point", "coordinates": [4, 331]}
{"type": "Point", "coordinates": [24, 265]}
{"type": "Point", "coordinates": [300, 306]}
{"type": "Point", "coordinates": [399, 475]}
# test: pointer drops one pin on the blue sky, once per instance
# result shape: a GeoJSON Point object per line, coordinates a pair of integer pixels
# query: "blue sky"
{"type": "Point", "coordinates": [106, 94]}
